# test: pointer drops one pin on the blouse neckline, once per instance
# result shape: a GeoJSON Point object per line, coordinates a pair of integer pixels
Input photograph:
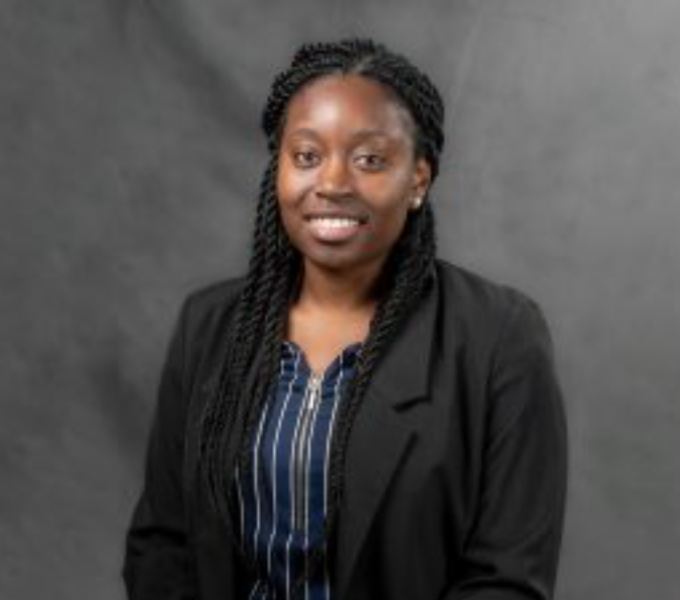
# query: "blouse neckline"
{"type": "Point", "coordinates": [348, 353]}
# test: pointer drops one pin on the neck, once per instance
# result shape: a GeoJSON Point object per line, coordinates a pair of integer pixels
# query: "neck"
{"type": "Point", "coordinates": [332, 290]}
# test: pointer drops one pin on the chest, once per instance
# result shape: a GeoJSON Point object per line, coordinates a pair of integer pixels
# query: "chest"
{"type": "Point", "coordinates": [321, 337]}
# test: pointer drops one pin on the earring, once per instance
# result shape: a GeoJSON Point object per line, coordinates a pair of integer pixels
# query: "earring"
{"type": "Point", "coordinates": [417, 201]}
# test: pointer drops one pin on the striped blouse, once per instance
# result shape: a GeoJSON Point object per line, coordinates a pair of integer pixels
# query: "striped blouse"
{"type": "Point", "coordinates": [283, 503]}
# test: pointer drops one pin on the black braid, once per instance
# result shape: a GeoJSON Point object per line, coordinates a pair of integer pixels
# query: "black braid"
{"type": "Point", "coordinates": [260, 316]}
{"type": "Point", "coordinates": [269, 270]}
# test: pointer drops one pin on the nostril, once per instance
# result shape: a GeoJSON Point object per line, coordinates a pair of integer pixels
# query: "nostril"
{"type": "Point", "coordinates": [334, 186]}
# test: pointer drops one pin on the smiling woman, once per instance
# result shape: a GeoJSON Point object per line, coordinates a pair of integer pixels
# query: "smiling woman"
{"type": "Point", "coordinates": [355, 418]}
{"type": "Point", "coordinates": [348, 173]}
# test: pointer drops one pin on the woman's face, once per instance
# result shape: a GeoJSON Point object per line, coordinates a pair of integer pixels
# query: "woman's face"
{"type": "Point", "coordinates": [347, 172]}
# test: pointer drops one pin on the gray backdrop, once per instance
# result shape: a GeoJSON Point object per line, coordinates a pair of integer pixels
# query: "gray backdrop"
{"type": "Point", "coordinates": [129, 161]}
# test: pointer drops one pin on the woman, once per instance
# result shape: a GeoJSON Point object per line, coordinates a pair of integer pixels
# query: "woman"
{"type": "Point", "coordinates": [356, 418]}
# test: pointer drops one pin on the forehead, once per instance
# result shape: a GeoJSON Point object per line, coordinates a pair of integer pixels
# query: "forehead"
{"type": "Point", "coordinates": [348, 102]}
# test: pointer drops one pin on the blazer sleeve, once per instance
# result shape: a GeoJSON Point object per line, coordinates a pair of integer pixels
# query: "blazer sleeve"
{"type": "Point", "coordinates": [158, 560]}
{"type": "Point", "coordinates": [512, 551]}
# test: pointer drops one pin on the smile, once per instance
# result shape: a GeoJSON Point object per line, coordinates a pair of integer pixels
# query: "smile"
{"type": "Point", "coordinates": [333, 229]}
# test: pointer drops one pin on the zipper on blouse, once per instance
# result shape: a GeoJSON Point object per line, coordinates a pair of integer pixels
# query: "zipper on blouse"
{"type": "Point", "coordinates": [301, 450]}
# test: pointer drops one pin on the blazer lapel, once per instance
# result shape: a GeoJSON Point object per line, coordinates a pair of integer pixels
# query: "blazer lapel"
{"type": "Point", "coordinates": [382, 432]}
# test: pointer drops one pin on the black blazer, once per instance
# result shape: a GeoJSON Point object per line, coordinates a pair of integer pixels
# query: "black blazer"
{"type": "Point", "coordinates": [456, 466]}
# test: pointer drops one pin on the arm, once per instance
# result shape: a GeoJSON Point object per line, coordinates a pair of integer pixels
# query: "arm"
{"type": "Point", "coordinates": [513, 549]}
{"type": "Point", "coordinates": [158, 562]}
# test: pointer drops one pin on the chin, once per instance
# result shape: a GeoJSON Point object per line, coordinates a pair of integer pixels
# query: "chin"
{"type": "Point", "coordinates": [332, 262]}
{"type": "Point", "coordinates": [337, 260]}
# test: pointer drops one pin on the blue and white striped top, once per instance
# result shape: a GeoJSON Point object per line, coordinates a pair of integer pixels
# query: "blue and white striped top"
{"type": "Point", "coordinates": [282, 505]}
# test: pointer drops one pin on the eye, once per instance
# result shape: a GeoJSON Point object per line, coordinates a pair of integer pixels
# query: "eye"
{"type": "Point", "coordinates": [371, 162]}
{"type": "Point", "coordinates": [305, 159]}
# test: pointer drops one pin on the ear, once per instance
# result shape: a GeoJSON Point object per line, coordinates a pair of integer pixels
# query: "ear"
{"type": "Point", "coordinates": [422, 177]}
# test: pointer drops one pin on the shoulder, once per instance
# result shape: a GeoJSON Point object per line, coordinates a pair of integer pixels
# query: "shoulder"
{"type": "Point", "coordinates": [204, 315]}
{"type": "Point", "coordinates": [482, 310]}
{"type": "Point", "coordinates": [475, 293]}
{"type": "Point", "coordinates": [212, 298]}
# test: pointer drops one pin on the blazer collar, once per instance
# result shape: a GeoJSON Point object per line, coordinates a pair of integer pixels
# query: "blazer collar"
{"type": "Point", "coordinates": [402, 374]}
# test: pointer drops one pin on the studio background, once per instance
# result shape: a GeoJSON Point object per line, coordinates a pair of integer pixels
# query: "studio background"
{"type": "Point", "coordinates": [130, 156]}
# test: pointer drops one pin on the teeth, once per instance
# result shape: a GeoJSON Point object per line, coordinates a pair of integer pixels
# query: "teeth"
{"type": "Point", "coordinates": [333, 222]}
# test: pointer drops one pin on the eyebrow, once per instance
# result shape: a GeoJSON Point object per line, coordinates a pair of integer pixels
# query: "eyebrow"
{"type": "Point", "coordinates": [360, 134]}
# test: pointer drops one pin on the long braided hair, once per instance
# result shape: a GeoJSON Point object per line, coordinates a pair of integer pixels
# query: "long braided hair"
{"type": "Point", "coordinates": [259, 318]}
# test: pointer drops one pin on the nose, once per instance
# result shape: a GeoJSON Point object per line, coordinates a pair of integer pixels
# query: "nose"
{"type": "Point", "coordinates": [334, 178]}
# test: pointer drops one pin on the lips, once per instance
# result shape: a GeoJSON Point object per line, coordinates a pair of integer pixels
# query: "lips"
{"type": "Point", "coordinates": [334, 226]}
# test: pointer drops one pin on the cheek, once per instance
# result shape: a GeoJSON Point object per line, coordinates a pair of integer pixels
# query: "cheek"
{"type": "Point", "coordinates": [390, 197]}
{"type": "Point", "coordinates": [290, 190]}
{"type": "Point", "coordinates": [282, 187]}
{"type": "Point", "coordinates": [291, 184]}
{"type": "Point", "coordinates": [391, 209]}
